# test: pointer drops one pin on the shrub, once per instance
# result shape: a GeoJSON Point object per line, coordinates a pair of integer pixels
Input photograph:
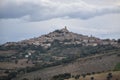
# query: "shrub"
{"type": "Point", "coordinates": [25, 79]}
{"type": "Point", "coordinates": [117, 67]}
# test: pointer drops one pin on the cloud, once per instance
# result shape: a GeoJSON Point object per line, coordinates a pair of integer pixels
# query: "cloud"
{"type": "Point", "coordinates": [38, 10]}
{"type": "Point", "coordinates": [106, 26]}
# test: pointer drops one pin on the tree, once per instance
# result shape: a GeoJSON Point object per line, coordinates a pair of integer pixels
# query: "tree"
{"type": "Point", "coordinates": [84, 75]}
{"type": "Point", "coordinates": [12, 75]}
{"type": "Point", "coordinates": [118, 40]}
{"type": "Point", "coordinates": [61, 76]}
{"type": "Point", "coordinates": [39, 79]}
{"type": "Point", "coordinates": [55, 43]}
{"type": "Point", "coordinates": [16, 61]}
{"type": "Point", "coordinates": [25, 79]}
{"type": "Point", "coordinates": [77, 76]}
{"type": "Point", "coordinates": [109, 76]}
{"type": "Point", "coordinates": [7, 71]}
{"type": "Point", "coordinates": [92, 78]}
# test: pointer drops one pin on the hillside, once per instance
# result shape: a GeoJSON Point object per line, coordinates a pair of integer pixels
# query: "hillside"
{"type": "Point", "coordinates": [88, 65]}
{"type": "Point", "coordinates": [100, 76]}
{"type": "Point", "coordinates": [60, 50]}
{"type": "Point", "coordinates": [64, 36]}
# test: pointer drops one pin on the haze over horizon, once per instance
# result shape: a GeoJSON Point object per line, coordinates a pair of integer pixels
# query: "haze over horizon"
{"type": "Point", "coordinates": [24, 19]}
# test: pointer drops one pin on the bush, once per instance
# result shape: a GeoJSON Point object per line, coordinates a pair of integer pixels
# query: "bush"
{"type": "Point", "coordinates": [12, 75]}
{"type": "Point", "coordinates": [77, 76]}
{"type": "Point", "coordinates": [61, 76]}
{"type": "Point", "coordinates": [25, 79]}
{"type": "Point", "coordinates": [117, 67]}
{"type": "Point", "coordinates": [88, 73]}
{"type": "Point", "coordinates": [84, 75]}
{"type": "Point", "coordinates": [109, 76]}
{"type": "Point", "coordinates": [92, 78]}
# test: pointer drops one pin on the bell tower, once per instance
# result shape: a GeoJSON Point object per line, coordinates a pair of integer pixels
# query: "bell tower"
{"type": "Point", "coordinates": [65, 28]}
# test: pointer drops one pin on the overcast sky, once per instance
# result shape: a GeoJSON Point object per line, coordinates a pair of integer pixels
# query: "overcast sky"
{"type": "Point", "coordinates": [24, 19]}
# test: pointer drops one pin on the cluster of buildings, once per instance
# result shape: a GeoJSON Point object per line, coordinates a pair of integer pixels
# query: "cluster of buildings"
{"type": "Point", "coordinates": [66, 37]}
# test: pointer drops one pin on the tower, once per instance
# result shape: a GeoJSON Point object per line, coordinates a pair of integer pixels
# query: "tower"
{"type": "Point", "coordinates": [65, 28]}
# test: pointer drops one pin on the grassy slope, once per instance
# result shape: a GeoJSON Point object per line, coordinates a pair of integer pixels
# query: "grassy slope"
{"type": "Point", "coordinates": [95, 64]}
{"type": "Point", "coordinates": [101, 76]}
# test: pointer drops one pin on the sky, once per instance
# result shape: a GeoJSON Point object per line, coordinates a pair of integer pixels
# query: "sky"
{"type": "Point", "coordinates": [24, 19]}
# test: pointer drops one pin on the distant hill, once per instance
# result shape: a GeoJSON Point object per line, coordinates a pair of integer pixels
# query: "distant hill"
{"type": "Point", "coordinates": [61, 43]}
{"type": "Point", "coordinates": [64, 36]}
{"type": "Point", "coordinates": [61, 51]}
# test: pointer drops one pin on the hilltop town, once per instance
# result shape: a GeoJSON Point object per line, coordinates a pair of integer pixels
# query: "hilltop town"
{"type": "Point", "coordinates": [62, 49]}
{"type": "Point", "coordinates": [64, 36]}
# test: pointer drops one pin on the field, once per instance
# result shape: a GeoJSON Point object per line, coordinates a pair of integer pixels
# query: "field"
{"type": "Point", "coordinates": [100, 76]}
{"type": "Point", "coordinates": [97, 64]}
{"type": "Point", "coordinates": [7, 53]}
{"type": "Point", "coordinates": [12, 65]}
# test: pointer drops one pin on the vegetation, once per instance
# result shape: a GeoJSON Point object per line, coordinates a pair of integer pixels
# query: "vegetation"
{"type": "Point", "coordinates": [61, 76]}
{"type": "Point", "coordinates": [63, 53]}
{"type": "Point", "coordinates": [109, 76]}
{"type": "Point", "coordinates": [25, 79]}
{"type": "Point", "coordinates": [117, 67]}
{"type": "Point", "coordinates": [100, 76]}
{"type": "Point", "coordinates": [77, 76]}
{"type": "Point", "coordinates": [118, 40]}
{"type": "Point", "coordinates": [58, 48]}
{"type": "Point", "coordinates": [92, 78]}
